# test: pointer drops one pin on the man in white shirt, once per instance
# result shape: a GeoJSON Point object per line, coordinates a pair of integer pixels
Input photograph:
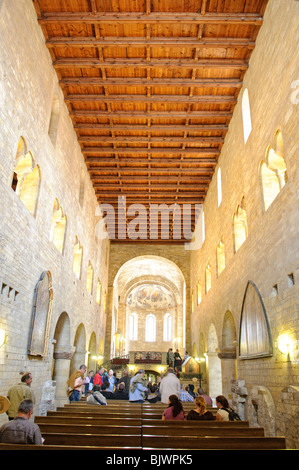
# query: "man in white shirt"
{"type": "Point", "coordinates": [170, 385]}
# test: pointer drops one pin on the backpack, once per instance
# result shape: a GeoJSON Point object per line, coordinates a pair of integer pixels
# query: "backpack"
{"type": "Point", "coordinates": [232, 415]}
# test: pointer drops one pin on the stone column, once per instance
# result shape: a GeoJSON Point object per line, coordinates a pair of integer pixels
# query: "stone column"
{"type": "Point", "coordinates": [61, 374]}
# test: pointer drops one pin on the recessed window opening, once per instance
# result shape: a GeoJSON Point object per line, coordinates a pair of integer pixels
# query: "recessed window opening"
{"type": "Point", "coordinates": [273, 171]}
{"type": "Point", "coordinates": [199, 294]}
{"type": "Point", "coordinates": [220, 255]}
{"type": "Point", "coordinates": [167, 327]}
{"type": "Point", "coordinates": [77, 258]}
{"type": "Point", "coordinates": [219, 186]}
{"type": "Point", "coordinates": [89, 280]}
{"type": "Point", "coordinates": [99, 292]}
{"type": "Point", "coordinates": [133, 326]}
{"type": "Point", "coordinates": [246, 115]}
{"type": "Point", "coordinates": [291, 280]}
{"type": "Point", "coordinates": [26, 177]}
{"type": "Point", "coordinates": [54, 118]}
{"type": "Point", "coordinates": [240, 226]}
{"type": "Point", "coordinates": [58, 226]}
{"type": "Point", "coordinates": [150, 328]}
{"type": "Point", "coordinates": [208, 278]}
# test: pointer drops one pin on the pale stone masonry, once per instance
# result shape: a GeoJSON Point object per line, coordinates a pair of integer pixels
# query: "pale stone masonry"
{"type": "Point", "coordinates": [269, 255]}
{"type": "Point", "coordinates": [263, 388]}
{"type": "Point", "coordinates": [28, 85]}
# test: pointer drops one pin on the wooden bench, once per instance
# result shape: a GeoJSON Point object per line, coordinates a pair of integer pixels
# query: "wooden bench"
{"type": "Point", "coordinates": [98, 440]}
{"type": "Point", "coordinates": [186, 431]}
{"type": "Point", "coordinates": [94, 420]}
{"type": "Point", "coordinates": [4, 446]}
{"type": "Point", "coordinates": [89, 428]}
{"type": "Point", "coordinates": [99, 420]}
{"type": "Point", "coordinates": [167, 442]}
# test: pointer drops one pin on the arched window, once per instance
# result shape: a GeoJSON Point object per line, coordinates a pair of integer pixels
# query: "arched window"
{"type": "Point", "coordinates": [219, 186]}
{"type": "Point", "coordinates": [77, 258]}
{"type": "Point", "coordinates": [273, 171]}
{"type": "Point", "coordinates": [133, 327]}
{"type": "Point", "coordinates": [208, 278]}
{"type": "Point", "coordinates": [89, 280]}
{"type": "Point", "coordinates": [246, 115]}
{"type": "Point", "coordinates": [167, 327]}
{"type": "Point", "coordinates": [99, 292]}
{"type": "Point", "coordinates": [26, 177]}
{"type": "Point", "coordinates": [58, 226]}
{"type": "Point", "coordinates": [199, 295]}
{"type": "Point", "coordinates": [220, 257]}
{"type": "Point", "coordinates": [240, 225]}
{"type": "Point", "coordinates": [54, 118]}
{"type": "Point", "coordinates": [150, 328]}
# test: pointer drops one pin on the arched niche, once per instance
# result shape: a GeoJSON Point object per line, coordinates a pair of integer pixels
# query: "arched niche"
{"type": "Point", "coordinates": [41, 316]}
{"type": "Point", "coordinates": [255, 335]}
{"type": "Point", "coordinates": [79, 356]}
{"type": "Point", "coordinates": [228, 353]}
{"type": "Point", "coordinates": [92, 349]}
{"type": "Point", "coordinates": [62, 355]}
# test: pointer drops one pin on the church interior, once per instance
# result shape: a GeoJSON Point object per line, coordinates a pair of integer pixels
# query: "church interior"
{"type": "Point", "coordinates": [150, 201]}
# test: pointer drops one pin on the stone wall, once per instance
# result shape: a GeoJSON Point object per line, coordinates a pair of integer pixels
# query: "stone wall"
{"type": "Point", "coordinates": [27, 88]}
{"type": "Point", "coordinates": [269, 255]}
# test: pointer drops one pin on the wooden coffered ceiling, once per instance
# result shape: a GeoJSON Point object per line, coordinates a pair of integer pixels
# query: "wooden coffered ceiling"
{"type": "Point", "coordinates": [151, 87]}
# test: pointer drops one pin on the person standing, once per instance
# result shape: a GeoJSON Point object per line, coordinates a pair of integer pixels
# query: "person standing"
{"type": "Point", "coordinates": [76, 384]}
{"type": "Point", "coordinates": [18, 393]}
{"type": "Point", "coordinates": [138, 387]}
{"type": "Point", "coordinates": [21, 430]}
{"type": "Point", "coordinates": [170, 385]}
{"type": "Point", "coordinates": [98, 378]}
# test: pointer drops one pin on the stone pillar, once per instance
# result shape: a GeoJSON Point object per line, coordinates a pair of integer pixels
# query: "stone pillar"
{"type": "Point", "coordinates": [214, 374]}
{"type": "Point", "coordinates": [61, 374]}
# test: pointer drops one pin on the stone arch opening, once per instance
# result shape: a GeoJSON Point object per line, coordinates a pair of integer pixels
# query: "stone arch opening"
{"type": "Point", "coordinates": [228, 353]}
{"type": "Point", "coordinates": [62, 354]}
{"type": "Point", "coordinates": [213, 364]}
{"type": "Point", "coordinates": [79, 356]}
{"type": "Point", "coordinates": [148, 285]}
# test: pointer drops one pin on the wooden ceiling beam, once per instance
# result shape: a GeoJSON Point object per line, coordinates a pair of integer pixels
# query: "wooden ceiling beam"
{"type": "Point", "coordinates": [132, 180]}
{"type": "Point", "coordinates": [148, 115]}
{"type": "Point", "coordinates": [167, 171]}
{"type": "Point", "coordinates": [151, 99]}
{"type": "Point", "coordinates": [127, 81]}
{"type": "Point", "coordinates": [127, 150]}
{"type": "Point", "coordinates": [148, 140]}
{"type": "Point", "coordinates": [221, 42]}
{"type": "Point", "coordinates": [82, 62]}
{"type": "Point", "coordinates": [152, 127]}
{"type": "Point", "coordinates": [244, 19]}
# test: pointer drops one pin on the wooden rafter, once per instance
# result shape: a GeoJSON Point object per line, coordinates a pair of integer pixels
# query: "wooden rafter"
{"type": "Point", "coordinates": [151, 92]}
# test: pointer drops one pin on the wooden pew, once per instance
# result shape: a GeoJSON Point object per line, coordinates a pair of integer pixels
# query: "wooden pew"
{"type": "Point", "coordinates": [102, 421]}
{"type": "Point", "coordinates": [94, 420]}
{"type": "Point", "coordinates": [185, 430]}
{"type": "Point", "coordinates": [10, 447]}
{"type": "Point", "coordinates": [88, 429]}
{"type": "Point", "coordinates": [131, 441]}
{"type": "Point", "coordinates": [166, 442]}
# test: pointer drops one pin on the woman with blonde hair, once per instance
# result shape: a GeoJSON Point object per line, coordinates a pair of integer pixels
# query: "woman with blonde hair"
{"type": "Point", "coordinates": [200, 411]}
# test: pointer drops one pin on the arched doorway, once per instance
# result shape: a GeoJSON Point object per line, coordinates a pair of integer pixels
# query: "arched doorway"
{"type": "Point", "coordinates": [148, 308]}
{"type": "Point", "coordinates": [228, 353]}
{"type": "Point", "coordinates": [62, 357]}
